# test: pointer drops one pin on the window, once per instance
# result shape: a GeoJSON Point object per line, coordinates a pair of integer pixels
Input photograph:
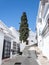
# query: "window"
{"type": "Point", "coordinates": [14, 48]}
{"type": "Point", "coordinates": [18, 48]}
{"type": "Point", "coordinates": [6, 49]}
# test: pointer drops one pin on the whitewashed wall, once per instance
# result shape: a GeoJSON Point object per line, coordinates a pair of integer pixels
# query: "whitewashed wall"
{"type": "Point", "coordinates": [7, 34]}
{"type": "Point", "coordinates": [43, 41]}
{"type": "Point", "coordinates": [15, 33]}
{"type": "Point", "coordinates": [46, 47]}
{"type": "Point", "coordinates": [32, 38]}
{"type": "Point", "coordinates": [1, 46]}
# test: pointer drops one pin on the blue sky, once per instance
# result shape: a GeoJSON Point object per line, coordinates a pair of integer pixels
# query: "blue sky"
{"type": "Point", "coordinates": [11, 12]}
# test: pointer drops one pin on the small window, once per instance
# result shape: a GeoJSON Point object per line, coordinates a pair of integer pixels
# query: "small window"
{"type": "Point", "coordinates": [14, 48]}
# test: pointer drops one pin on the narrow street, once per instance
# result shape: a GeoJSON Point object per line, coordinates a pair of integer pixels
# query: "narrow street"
{"type": "Point", "coordinates": [24, 32]}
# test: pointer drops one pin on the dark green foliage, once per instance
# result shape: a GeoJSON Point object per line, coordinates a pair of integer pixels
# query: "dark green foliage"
{"type": "Point", "coordinates": [24, 30]}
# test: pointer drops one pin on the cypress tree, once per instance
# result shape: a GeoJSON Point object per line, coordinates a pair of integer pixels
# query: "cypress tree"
{"type": "Point", "coordinates": [24, 28]}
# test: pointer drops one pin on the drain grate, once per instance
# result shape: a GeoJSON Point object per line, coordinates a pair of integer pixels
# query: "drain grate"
{"type": "Point", "coordinates": [17, 63]}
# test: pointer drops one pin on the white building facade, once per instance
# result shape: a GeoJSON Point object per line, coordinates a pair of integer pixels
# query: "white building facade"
{"type": "Point", "coordinates": [9, 42]}
{"type": "Point", "coordinates": [42, 27]}
{"type": "Point", "coordinates": [16, 41]}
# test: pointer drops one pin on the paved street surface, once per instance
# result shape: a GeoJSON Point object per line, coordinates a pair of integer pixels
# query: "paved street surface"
{"type": "Point", "coordinates": [24, 59]}
{"type": "Point", "coordinates": [27, 58]}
